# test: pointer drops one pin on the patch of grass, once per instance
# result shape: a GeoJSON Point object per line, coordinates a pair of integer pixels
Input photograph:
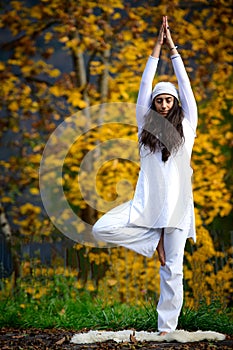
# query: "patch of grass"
{"type": "Point", "coordinates": [62, 306]}
{"type": "Point", "coordinates": [84, 312]}
{"type": "Point", "coordinates": [214, 317]}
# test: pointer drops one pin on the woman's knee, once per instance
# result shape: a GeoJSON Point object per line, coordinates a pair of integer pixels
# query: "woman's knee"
{"type": "Point", "coordinates": [96, 231]}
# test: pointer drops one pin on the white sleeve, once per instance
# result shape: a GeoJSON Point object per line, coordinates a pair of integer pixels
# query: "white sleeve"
{"type": "Point", "coordinates": [187, 98]}
{"type": "Point", "coordinates": [145, 90]}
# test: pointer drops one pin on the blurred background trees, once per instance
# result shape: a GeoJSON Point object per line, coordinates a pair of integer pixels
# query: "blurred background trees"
{"type": "Point", "coordinates": [60, 57]}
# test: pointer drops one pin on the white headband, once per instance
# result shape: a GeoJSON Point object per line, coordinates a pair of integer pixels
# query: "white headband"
{"type": "Point", "coordinates": [164, 88]}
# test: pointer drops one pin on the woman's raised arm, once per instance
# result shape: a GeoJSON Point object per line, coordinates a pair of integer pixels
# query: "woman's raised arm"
{"type": "Point", "coordinates": [144, 95]}
{"type": "Point", "coordinates": [187, 98]}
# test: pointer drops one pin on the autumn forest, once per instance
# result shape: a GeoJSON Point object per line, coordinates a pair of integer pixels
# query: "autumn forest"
{"type": "Point", "coordinates": [65, 58]}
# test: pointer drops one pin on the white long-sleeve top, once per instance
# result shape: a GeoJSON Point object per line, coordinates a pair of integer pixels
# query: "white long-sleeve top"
{"type": "Point", "coordinates": [163, 196]}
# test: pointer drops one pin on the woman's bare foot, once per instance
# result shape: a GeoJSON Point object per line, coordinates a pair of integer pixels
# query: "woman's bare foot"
{"type": "Point", "coordinates": [162, 333]}
{"type": "Point", "coordinates": [160, 249]}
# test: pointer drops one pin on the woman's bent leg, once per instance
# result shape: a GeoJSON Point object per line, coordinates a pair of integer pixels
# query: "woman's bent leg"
{"type": "Point", "coordinates": [171, 281]}
{"type": "Point", "coordinates": [113, 228]}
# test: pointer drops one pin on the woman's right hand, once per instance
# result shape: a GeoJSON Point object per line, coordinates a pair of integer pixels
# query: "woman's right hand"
{"type": "Point", "coordinates": [161, 40]}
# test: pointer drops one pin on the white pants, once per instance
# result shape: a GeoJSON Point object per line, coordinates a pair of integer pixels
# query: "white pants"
{"type": "Point", "coordinates": [113, 228]}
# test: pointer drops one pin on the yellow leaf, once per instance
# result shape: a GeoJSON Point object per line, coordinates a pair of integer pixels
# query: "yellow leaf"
{"type": "Point", "coordinates": [54, 73]}
{"type": "Point", "coordinates": [6, 199]}
{"type": "Point", "coordinates": [17, 5]}
{"type": "Point", "coordinates": [74, 168]}
{"type": "Point", "coordinates": [112, 282]}
{"type": "Point", "coordinates": [57, 116]}
{"type": "Point", "coordinates": [48, 36]}
{"type": "Point", "coordinates": [2, 66]}
{"type": "Point", "coordinates": [75, 98]}
{"type": "Point", "coordinates": [27, 90]}
{"type": "Point", "coordinates": [26, 69]}
{"type": "Point", "coordinates": [71, 43]}
{"type": "Point", "coordinates": [34, 191]}
{"type": "Point", "coordinates": [49, 11]}
{"type": "Point", "coordinates": [34, 107]}
{"type": "Point", "coordinates": [90, 286]}
{"type": "Point", "coordinates": [35, 12]}
{"type": "Point", "coordinates": [64, 39]}
{"type": "Point", "coordinates": [116, 15]}
{"type": "Point", "coordinates": [127, 35]}
{"type": "Point", "coordinates": [56, 91]}
{"type": "Point", "coordinates": [81, 104]}
{"type": "Point", "coordinates": [28, 207]}
{"type": "Point", "coordinates": [13, 106]}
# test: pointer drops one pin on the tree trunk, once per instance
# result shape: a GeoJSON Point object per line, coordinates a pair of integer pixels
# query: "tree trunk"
{"type": "Point", "coordinates": [14, 264]}
{"type": "Point", "coordinates": [104, 76]}
{"type": "Point", "coordinates": [88, 214]}
{"type": "Point", "coordinates": [4, 224]}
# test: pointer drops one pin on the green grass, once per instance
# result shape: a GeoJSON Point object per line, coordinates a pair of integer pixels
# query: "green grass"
{"type": "Point", "coordinates": [59, 309]}
{"type": "Point", "coordinates": [214, 317]}
{"type": "Point", "coordinates": [93, 314]}
{"type": "Point", "coordinates": [84, 312]}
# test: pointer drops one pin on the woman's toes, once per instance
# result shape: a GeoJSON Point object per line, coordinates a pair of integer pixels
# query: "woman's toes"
{"type": "Point", "coordinates": [162, 333]}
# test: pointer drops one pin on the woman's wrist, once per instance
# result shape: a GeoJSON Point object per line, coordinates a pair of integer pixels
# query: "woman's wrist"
{"type": "Point", "coordinates": [156, 50]}
{"type": "Point", "coordinates": [170, 44]}
{"type": "Point", "coordinates": [172, 48]}
{"type": "Point", "coordinates": [175, 47]}
{"type": "Point", "coordinates": [158, 44]}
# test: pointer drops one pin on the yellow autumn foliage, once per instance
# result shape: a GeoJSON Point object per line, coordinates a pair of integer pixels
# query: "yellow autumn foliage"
{"type": "Point", "coordinates": [115, 41]}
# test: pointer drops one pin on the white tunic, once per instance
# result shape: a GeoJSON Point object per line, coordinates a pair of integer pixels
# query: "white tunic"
{"type": "Point", "coordinates": [163, 196]}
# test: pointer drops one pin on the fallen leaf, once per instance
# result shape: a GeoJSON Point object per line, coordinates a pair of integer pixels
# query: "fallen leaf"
{"type": "Point", "coordinates": [61, 341]}
{"type": "Point", "coordinates": [133, 338]}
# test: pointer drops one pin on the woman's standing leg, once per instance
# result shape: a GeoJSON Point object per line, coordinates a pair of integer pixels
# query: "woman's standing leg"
{"type": "Point", "coordinates": [171, 281]}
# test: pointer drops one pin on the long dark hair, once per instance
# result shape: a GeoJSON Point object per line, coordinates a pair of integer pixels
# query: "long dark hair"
{"type": "Point", "coordinates": [163, 133]}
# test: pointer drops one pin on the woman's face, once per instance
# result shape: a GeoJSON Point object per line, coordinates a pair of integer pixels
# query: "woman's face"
{"type": "Point", "coordinates": [163, 103]}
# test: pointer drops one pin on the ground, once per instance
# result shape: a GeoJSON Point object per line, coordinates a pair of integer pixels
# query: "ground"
{"type": "Point", "coordinates": [54, 339]}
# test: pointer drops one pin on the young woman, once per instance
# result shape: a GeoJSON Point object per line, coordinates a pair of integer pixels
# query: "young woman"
{"type": "Point", "coordinates": [161, 214]}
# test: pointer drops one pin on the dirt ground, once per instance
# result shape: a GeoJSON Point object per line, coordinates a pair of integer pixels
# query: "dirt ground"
{"type": "Point", "coordinates": [54, 339]}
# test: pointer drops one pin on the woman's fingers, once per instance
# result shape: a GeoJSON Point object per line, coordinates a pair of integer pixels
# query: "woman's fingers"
{"type": "Point", "coordinates": [164, 33]}
{"type": "Point", "coordinates": [165, 25]}
{"type": "Point", "coordinates": [167, 32]}
{"type": "Point", "coordinates": [161, 34]}
{"type": "Point", "coordinates": [164, 21]}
